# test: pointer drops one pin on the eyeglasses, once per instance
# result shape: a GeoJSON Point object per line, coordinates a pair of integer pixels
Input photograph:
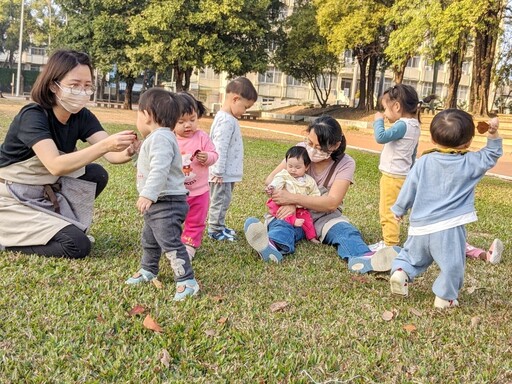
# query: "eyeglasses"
{"type": "Point", "coordinates": [309, 143]}
{"type": "Point", "coordinates": [78, 89]}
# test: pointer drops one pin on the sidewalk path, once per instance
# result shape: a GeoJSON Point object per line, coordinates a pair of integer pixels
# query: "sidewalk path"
{"type": "Point", "coordinates": [355, 139]}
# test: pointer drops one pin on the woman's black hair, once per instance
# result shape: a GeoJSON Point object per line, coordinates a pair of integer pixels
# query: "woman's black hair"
{"type": "Point", "coordinates": [59, 64]}
{"type": "Point", "coordinates": [329, 134]}
{"type": "Point", "coordinates": [298, 152]}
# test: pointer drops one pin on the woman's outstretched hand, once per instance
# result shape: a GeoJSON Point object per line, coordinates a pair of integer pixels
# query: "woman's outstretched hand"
{"type": "Point", "coordinates": [120, 141]}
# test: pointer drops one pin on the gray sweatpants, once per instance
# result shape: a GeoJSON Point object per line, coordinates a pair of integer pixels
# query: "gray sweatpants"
{"type": "Point", "coordinates": [220, 199]}
{"type": "Point", "coordinates": [162, 233]}
{"type": "Point", "coordinates": [447, 248]}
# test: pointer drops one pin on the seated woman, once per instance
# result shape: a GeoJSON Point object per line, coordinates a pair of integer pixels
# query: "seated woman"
{"type": "Point", "coordinates": [47, 186]}
{"type": "Point", "coordinates": [333, 170]}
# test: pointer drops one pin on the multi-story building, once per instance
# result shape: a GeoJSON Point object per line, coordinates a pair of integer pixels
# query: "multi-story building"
{"type": "Point", "coordinates": [277, 88]}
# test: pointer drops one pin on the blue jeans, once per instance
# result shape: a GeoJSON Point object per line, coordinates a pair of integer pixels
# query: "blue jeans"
{"type": "Point", "coordinates": [344, 236]}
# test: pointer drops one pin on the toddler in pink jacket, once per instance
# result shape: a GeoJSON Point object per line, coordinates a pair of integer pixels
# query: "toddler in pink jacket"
{"type": "Point", "coordinates": [198, 153]}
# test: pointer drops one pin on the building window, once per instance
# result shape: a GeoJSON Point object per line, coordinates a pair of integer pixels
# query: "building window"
{"type": "Point", "coordinates": [37, 51]}
{"type": "Point", "coordinates": [413, 84]}
{"type": "Point", "coordinates": [345, 87]}
{"type": "Point", "coordinates": [465, 67]}
{"type": "Point", "coordinates": [348, 57]}
{"type": "Point", "coordinates": [462, 93]}
{"type": "Point", "coordinates": [323, 81]}
{"type": "Point", "coordinates": [293, 82]}
{"type": "Point", "coordinates": [272, 76]}
{"type": "Point", "coordinates": [388, 83]}
{"type": "Point", "coordinates": [209, 74]}
{"type": "Point", "coordinates": [413, 62]}
{"type": "Point", "coordinates": [426, 89]}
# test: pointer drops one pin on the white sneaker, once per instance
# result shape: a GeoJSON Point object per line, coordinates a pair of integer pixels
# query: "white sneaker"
{"type": "Point", "coordinates": [399, 283]}
{"type": "Point", "coordinates": [495, 251]}
{"type": "Point", "coordinates": [375, 247]}
{"type": "Point", "coordinates": [444, 304]}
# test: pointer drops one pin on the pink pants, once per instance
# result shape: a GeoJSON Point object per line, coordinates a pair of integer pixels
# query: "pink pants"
{"type": "Point", "coordinates": [473, 252]}
{"type": "Point", "coordinates": [300, 213]}
{"type": "Point", "coordinates": [195, 222]}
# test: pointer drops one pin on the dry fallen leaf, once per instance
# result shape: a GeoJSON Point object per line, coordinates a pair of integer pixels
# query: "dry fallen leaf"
{"type": "Point", "coordinates": [482, 127]}
{"type": "Point", "coordinates": [137, 310]}
{"type": "Point", "coordinates": [222, 320]}
{"type": "Point", "coordinates": [359, 278]}
{"type": "Point", "coordinates": [416, 312]}
{"type": "Point", "coordinates": [471, 289]}
{"type": "Point", "coordinates": [388, 315]}
{"type": "Point", "coordinates": [149, 323]}
{"type": "Point", "coordinates": [157, 283]}
{"type": "Point", "coordinates": [165, 357]}
{"type": "Point", "coordinates": [278, 306]}
{"type": "Point", "coordinates": [410, 328]}
{"type": "Point", "coordinates": [210, 332]}
{"type": "Point", "coordinates": [475, 321]}
{"type": "Point", "coordinates": [217, 299]}
{"type": "Point", "coordinates": [100, 318]}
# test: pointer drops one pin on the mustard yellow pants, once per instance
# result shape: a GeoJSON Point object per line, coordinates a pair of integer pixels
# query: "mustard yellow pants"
{"type": "Point", "coordinates": [389, 188]}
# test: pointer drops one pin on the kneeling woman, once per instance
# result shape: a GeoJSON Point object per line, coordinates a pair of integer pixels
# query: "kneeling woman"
{"type": "Point", "coordinates": [47, 186]}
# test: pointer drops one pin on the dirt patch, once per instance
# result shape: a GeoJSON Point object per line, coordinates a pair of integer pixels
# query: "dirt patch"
{"type": "Point", "coordinates": [336, 111]}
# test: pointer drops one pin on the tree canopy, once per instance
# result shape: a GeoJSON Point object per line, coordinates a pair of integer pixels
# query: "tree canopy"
{"type": "Point", "coordinates": [302, 52]}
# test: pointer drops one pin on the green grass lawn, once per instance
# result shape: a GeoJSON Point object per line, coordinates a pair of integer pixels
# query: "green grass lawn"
{"type": "Point", "coordinates": [65, 321]}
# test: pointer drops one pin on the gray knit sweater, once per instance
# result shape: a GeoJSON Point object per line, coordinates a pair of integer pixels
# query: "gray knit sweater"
{"type": "Point", "coordinates": [159, 169]}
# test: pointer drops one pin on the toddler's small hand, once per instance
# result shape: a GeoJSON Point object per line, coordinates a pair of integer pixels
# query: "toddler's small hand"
{"type": "Point", "coordinates": [378, 115]}
{"type": "Point", "coordinates": [143, 204]}
{"type": "Point", "coordinates": [270, 190]}
{"type": "Point", "coordinates": [494, 124]}
{"type": "Point", "coordinates": [202, 157]}
{"type": "Point", "coordinates": [398, 218]}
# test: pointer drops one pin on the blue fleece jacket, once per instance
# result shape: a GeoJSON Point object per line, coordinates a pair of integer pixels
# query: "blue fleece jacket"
{"type": "Point", "coordinates": [441, 186]}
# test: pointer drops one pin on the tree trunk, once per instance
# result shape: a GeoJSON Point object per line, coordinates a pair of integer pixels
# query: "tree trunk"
{"type": "Point", "coordinates": [128, 93]}
{"type": "Point", "coordinates": [434, 78]}
{"type": "Point", "coordinates": [456, 59]}
{"type": "Point", "coordinates": [182, 77]}
{"type": "Point", "coordinates": [362, 60]}
{"type": "Point", "coordinates": [370, 90]}
{"type": "Point", "coordinates": [399, 71]}
{"type": "Point", "coordinates": [483, 58]}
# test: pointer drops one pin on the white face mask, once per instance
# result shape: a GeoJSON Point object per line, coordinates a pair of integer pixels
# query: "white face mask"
{"type": "Point", "coordinates": [71, 102]}
{"type": "Point", "coordinates": [317, 155]}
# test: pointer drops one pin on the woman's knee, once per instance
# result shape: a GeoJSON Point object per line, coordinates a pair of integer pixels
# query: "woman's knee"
{"type": "Point", "coordinates": [282, 235]}
{"type": "Point", "coordinates": [75, 243]}
{"type": "Point", "coordinates": [95, 173]}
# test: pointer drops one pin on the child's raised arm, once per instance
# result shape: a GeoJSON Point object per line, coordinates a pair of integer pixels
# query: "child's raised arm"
{"type": "Point", "coordinates": [493, 128]}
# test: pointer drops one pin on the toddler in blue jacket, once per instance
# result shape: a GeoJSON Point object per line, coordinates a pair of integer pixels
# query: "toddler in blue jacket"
{"type": "Point", "coordinates": [440, 192]}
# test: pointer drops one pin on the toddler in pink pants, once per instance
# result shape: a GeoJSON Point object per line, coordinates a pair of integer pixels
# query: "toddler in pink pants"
{"type": "Point", "coordinates": [198, 153]}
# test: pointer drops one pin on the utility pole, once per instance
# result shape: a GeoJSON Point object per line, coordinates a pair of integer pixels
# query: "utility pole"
{"type": "Point", "coordinates": [20, 50]}
{"type": "Point", "coordinates": [49, 23]}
